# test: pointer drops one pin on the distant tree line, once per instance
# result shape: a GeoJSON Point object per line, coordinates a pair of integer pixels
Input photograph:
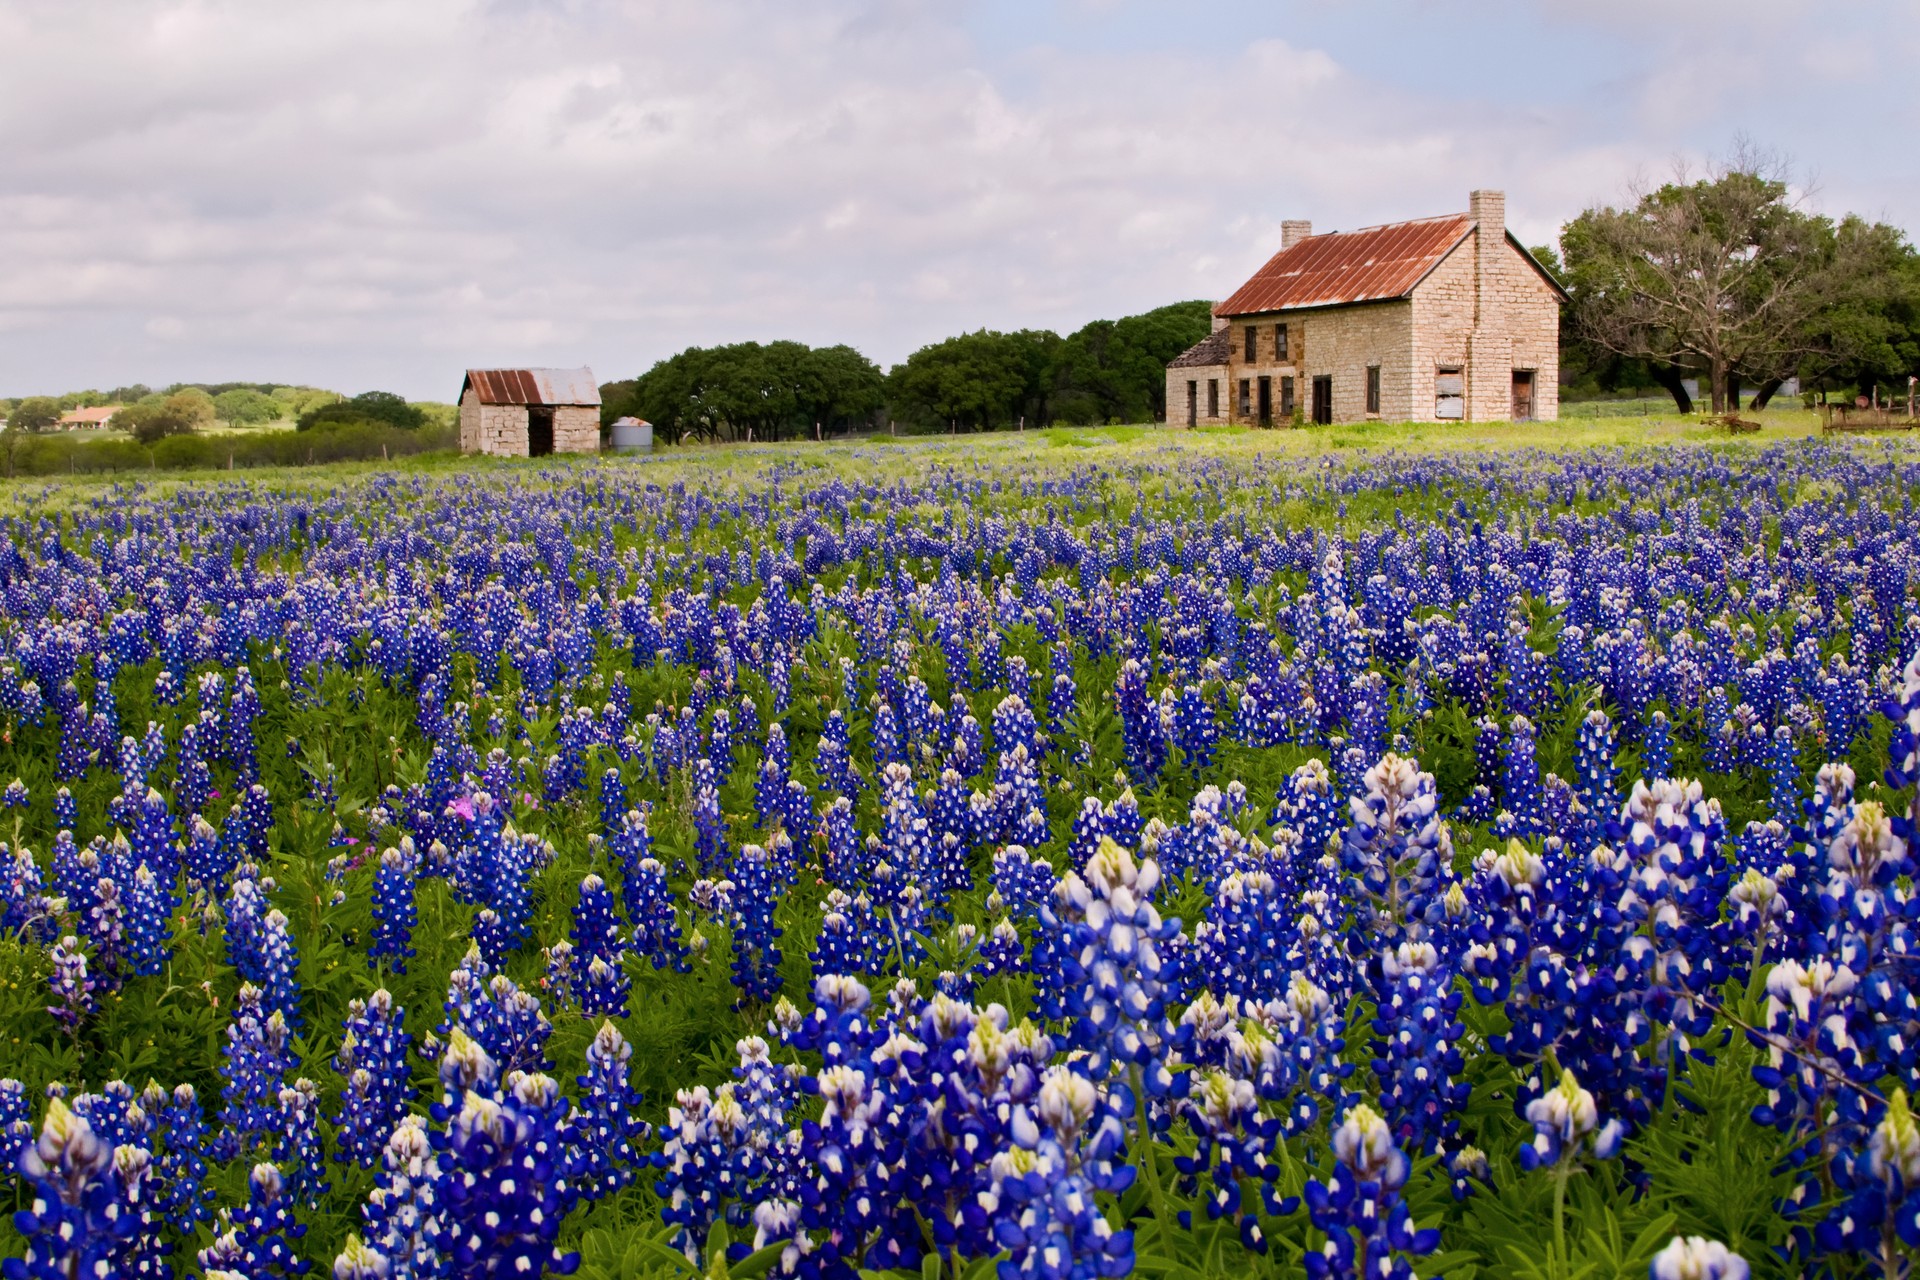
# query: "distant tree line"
{"type": "Point", "coordinates": [185, 408]}
{"type": "Point", "coordinates": [1724, 280]}
{"type": "Point", "coordinates": [1107, 371]}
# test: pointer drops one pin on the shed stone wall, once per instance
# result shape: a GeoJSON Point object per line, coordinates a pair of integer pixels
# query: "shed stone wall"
{"type": "Point", "coordinates": [576, 429]}
{"type": "Point", "coordinates": [498, 429]}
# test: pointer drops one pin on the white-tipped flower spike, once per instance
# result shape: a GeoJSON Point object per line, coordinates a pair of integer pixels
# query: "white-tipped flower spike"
{"type": "Point", "coordinates": [1563, 1119]}
{"type": "Point", "coordinates": [1365, 1145]}
{"type": "Point", "coordinates": [1695, 1258]}
{"type": "Point", "coordinates": [1895, 1144]}
{"type": "Point", "coordinates": [357, 1261]}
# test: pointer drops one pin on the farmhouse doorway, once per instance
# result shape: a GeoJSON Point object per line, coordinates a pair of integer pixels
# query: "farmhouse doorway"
{"type": "Point", "coordinates": [1523, 395]}
{"type": "Point", "coordinates": [1323, 399]}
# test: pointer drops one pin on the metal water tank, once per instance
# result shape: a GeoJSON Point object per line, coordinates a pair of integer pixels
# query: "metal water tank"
{"type": "Point", "coordinates": [632, 435]}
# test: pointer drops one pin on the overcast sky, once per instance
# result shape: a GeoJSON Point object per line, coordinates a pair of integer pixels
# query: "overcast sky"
{"type": "Point", "coordinates": [379, 193]}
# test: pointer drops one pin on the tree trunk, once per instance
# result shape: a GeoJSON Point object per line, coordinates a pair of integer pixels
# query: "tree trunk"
{"type": "Point", "coordinates": [1668, 376]}
{"type": "Point", "coordinates": [1764, 395]}
{"type": "Point", "coordinates": [1717, 383]}
{"type": "Point", "coordinates": [1733, 392]}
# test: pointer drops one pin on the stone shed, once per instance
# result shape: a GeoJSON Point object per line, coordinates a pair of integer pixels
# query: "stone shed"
{"type": "Point", "coordinates": [528, 413]}
{"type": "Point", "coordinates": [1442, 319]}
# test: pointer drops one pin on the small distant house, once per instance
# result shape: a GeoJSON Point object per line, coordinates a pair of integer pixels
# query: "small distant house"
{"type": "Point", "coordinates": [91, 419]}
{"type": "Point", "coordinates": [1435, 320]}
{"type": "Point", "coordinates": [528, 413]}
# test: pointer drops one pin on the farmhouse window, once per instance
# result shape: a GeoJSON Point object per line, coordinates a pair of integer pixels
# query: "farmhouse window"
{"type": "Point", "coordinates": [1252, 342]}
{"type": "Point", "coordinates": [1449, 394]}
{"type": "Point", "coordinates": [1213, 397]}
{"type": "Point", "coordinates": [1246, 397]}
{"type": "Point", "coordinates": [1373, 388]}
{"type": "Point", "coordinates": [1280, 342]}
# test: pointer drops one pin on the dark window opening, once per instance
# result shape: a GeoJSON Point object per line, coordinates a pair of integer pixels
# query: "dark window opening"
{"type": "Point", "coordinates": [1252, 340]}
{"type": "Point", "coordinates": [1213, 397]}
{"type": "Point", "coordinates": [1286, 398]}
{"type": "Point", "coordinates": [1246, 398]}
{"type": "Point", "coordinates": [539, 431]}
{"type": "Point", "coordinates": [1323, 400]}
{"type": "Point", "coordinates": [1279, 342]}
{"type": "Point", "coordinates": [1373, 388]}
{"type": "Point", "coordinates": [1193, 404]}
{"type": "Point", "coordinates": [1266, 402]}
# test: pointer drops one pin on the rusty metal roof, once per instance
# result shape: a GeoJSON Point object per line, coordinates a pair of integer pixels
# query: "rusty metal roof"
{"type": "Point", "coordinates": [1210, 350]}
{"type": "Point", "coordinates": [1370, 265]}
{"type": "Point", "coordinates": [533, 386]}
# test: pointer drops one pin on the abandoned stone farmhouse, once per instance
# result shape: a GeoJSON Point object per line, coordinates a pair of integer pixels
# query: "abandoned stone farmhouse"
{"type": "Point", "coordinates": [527, 413]}
{"type": "Point", "coordinates": [1434, 320]}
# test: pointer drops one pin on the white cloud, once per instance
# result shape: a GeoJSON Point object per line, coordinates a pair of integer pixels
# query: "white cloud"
{"type": "Point", "coordinates": [364, 193]}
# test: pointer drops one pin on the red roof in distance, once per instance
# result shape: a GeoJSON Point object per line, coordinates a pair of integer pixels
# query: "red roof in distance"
{"type": "Point", "coordinates": [1370, 265]}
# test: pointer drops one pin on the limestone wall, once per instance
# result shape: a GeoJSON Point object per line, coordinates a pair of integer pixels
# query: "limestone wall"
{"type": "Point", "coordinates": [1200, 375]}
{"type": "Point", "coordinates": [1525, 333]}
{"type": "Point", "coordinates": [576, 429]}
{"type": "Point", "coordinates": [499, 429]}
{"type": "Point", "coordinates": [1335, 342]}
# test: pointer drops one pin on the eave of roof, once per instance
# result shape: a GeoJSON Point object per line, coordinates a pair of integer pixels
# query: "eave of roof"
{"type": "Point", "coordinates": [533, 386]}
{"type": "Point", "coordinates": [1210, 350]}
{"type": "Point", "coordinates": [1374, 264]}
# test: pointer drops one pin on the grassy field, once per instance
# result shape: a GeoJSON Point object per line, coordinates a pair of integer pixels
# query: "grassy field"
{"type": "Point", "coordinates": [1150, 439]}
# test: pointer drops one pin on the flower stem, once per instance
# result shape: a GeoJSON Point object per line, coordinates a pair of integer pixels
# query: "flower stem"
{"type": "Point", "coordinates": [1162, 1212]}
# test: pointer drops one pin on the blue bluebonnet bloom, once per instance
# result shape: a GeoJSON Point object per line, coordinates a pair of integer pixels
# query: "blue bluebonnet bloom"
{"type": "Point", "coordinates": [394, 913]}
{"type": "Point", "coordinates": [260, 1238]}
{"type": "Point", "coordinates": [1370, 1231]}
{"type": "Point", "coordinates": [78, 1223]}
{"type": "Point", "coordinates": [606, 1127]}
{"type": "Point", "coordinates": [373, 1061]}
{"type": "Point", "coordinates": [1696, 1258]}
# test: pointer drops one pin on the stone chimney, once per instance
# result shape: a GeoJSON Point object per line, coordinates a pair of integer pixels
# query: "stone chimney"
{"type": "Point", "coordinates": [1488, 209]}
{"type": "Point", "coordinates": [1490, 348]}
{"type": "Point", "coordinates": [1220, 322]}
{"type": "Point", "coordinates": [1293, 231]}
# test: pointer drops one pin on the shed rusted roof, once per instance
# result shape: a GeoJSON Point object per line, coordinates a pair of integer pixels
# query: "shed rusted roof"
{"type": "Point", "coordinates": [533, 386]}
{"type": "Point", "coordinates": [1210, 350]}
{"type": "Point", "coordinates": [1370, 265]}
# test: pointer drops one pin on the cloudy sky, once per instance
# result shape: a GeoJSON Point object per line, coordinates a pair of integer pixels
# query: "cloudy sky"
{"type": "Point", "coordinates": [379, 193]}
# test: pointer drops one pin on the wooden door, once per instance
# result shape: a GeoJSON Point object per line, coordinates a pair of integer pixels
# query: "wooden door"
{"type": "Point", "coordinates": [1523, 395]}
{"type": "Point", "coordinates": [1266, 402]}
{"type": "Point", "coordinates": [1193, 403]}
{"type": "Point", "coordinates": [1323, 399]}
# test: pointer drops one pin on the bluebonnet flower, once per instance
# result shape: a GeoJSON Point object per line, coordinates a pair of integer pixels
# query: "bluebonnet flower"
{"type": "Point", "coordinates": [258, 1057]}
{"type": "Point", "coordinates": [66, 811]}
{"type": "Point", "coordinates": [373, 1061]}
{"type": "Point", "coordinates": [78, 1222]}
{"type": "Point", "coordinates": [1566, 1125]}
{"type": "Point", "coordinates": [1419, 1062]}
{"type": "Point", "coordinates": [606, 1126]}
{"type": "Point", "coordinates": [15, 795]}
{"type": "Point", "coordinates": [280, 965]}
{"type": "Point", "coordinates": [260, 1239]}
{"type": "Point", "coordinates": [394, 912]}
{"type": "Point", "coordinates": [1397, 848]}
{"type": "Point", "coordinates": [181, 1127]}
{"type": "Point", "coordinates": [296, 1142]}
{"type": "Point", "coordinates": [1696, 1258]}
{"type": "Point", "coordinates": [71, 986]}
{"type": "Point", "coordinates": [1370, 1231]}
{"type": "Point", "coordinates": [756, 950]}
{"type": "Point", "coordinates": [506, 1191]}
{"type": "Point", "coordinates": [1111, 967]}
{"type": "Point", "coordinates": [403, 1213]}
{"type": "Point", "coordinates": [1066, 1147]}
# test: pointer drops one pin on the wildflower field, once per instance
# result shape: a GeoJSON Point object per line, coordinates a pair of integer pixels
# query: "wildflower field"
{"type": "Point", "coordinates": [1020, 860]}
